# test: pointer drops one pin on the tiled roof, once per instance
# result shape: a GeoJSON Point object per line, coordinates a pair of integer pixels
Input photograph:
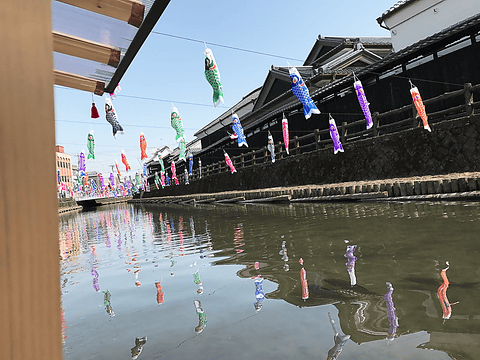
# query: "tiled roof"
{"type": "Point", "coordinates": [348, 42]}
{"type": "Point", "coordinates": [399, 5]}
{"type": "Point", "coordinates": [369, 40]}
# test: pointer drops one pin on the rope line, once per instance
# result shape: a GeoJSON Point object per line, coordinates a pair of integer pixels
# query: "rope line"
{"type": "Point", "coordinates": [225, 46]}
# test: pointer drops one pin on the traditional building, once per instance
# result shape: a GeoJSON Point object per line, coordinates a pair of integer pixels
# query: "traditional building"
{"type": "Point", "coordinates": [410, 21]}
{"type": "Point", "coordinates": [64, 167]}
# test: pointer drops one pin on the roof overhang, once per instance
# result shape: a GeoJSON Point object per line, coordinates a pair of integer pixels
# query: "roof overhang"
{"type": "Point", "coordinates": [95, 41]}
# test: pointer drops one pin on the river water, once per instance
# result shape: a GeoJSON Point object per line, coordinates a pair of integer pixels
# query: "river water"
{"type": "Point", "coordinates": [225, 282]}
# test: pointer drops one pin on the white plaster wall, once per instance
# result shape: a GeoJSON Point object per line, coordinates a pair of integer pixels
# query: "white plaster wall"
{"type": "Point", "coordinates": [426, 17]}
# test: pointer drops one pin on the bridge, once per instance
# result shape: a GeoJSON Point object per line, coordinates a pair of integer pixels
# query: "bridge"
{"type": "Point", "coordinates": [94, 201]}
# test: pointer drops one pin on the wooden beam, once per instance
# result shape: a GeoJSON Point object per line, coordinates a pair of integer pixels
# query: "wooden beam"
{"type": "Point", "coordinates": [85, 49]}
{"type": "Point", "coordinates": [131, 11]}
{"type": "Point", "coordinates": [30, 312]}
{"type": "Point", "coordinates": [79, 82]}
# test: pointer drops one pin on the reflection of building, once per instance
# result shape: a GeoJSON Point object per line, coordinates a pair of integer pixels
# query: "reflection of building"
{"type": "Point", "coordinates": [69, 242]}
{"type": "Point", "coordinates": [64, 165]}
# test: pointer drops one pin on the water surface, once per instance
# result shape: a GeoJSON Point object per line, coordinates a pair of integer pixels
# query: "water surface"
{"type": "Point", "coordinates": [213, 282]}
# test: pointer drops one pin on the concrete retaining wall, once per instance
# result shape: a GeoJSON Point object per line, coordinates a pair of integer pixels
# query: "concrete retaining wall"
{"type": "Point", "coordinates": [452, 147]}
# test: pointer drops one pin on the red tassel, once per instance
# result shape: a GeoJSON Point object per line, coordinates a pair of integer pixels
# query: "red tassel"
{"type": "Point", "coordinates": [94, 111]}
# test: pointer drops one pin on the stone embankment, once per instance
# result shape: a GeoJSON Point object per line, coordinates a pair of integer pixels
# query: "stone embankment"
{"type": "Point", "coordinates": [456, 186]}
{"type": "Point", "coordinates": [67, 205]}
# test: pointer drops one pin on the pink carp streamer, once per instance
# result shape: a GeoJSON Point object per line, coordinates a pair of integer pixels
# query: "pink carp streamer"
{"type": "Point", "coordinates": [286, 138]}
{"type": "Point", "coordinates": [417, 101]}
{"type": "Point", "coordinates": [303, 280]}
{"type": "Point", "coordinates": [362, 100]}
{"type": "Point", "coordinates": [174, 173]}
{"type": "Point", "coordinates": [229, 162]}
{"type": "Point", "coordinates": [442, 294]}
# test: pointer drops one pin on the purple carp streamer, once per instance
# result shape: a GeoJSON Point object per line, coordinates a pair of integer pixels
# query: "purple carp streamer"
{"type": "Point", "coordinates": [392, 318]}
{"type": "Point", "coordinates": [362, 100]}
{"type": "Point", "coordinates": [337, 145]}
{"type": "Point", "coordinates": [351, 263]}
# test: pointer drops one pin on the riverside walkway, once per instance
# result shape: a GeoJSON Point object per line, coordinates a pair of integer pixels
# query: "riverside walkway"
{"type": "Point", "coordinates": [457, 186]}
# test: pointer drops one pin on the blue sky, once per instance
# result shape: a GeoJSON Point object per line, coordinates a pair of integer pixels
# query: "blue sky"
{"type": "Point", "coordinates": [171, 69]}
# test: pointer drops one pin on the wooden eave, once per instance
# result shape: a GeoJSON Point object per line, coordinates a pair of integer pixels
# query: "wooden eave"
{"type": "Point", "coordinates": [79, 82]}
{"type": "Point", "coordinates": [85, 49]}
{"type": "Point", "coordinates": [131, 11]}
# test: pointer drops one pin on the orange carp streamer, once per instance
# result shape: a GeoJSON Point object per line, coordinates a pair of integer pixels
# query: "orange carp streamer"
{"type": "Point", "coordinates": [118, 171]}
{"type": "Point", "coordinates": [143, 147]}
{"type": "Point", "coordinates": [417, 101]}
{"type": "Point", "coordinates": [125, 161]}
{"type": "Point", "coordinates": [160, 293]}
{"type": "Point", "coordinates": [442, 294]}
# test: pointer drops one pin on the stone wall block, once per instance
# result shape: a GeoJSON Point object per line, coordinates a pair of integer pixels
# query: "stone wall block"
{"type": "Point", "coordinates": [462, 184]}
{"type": "Point", "coordinates": [454, 185]}
{"type": "Point", "coordinates": [417, 187]}
{"type": "Point", "coordinates": [424, 187]}
{"type": "Point", "coordinates": [389, 189]}
{"type": "Point", "coordinates": [471, 184]}
{"type": "Point", "coordinates": [447, 187]}
{"type": "Point", "coordinates": [409, 188]}
{"type": "Point", "coordinates": [396, 189]}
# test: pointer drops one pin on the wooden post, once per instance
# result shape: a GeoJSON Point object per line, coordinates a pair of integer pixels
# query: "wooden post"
{"type": "Point", "coordinates": [254, 162]}
{"type": "Point", "coordinates": [343, 134]}
{"type": "Point", "coordinates": [265, 155]}
{"type": "Point", "coordinates": [297, 145]}
{"type": "Point", "coordinates": [280, 149]}
{"type": "Point", "coordinates": [30, 309]}
{"type": "Point", "coordinates": [375, 123]}
{"type": "Point", "coordinates": [317, 138]}
{"type": "Point", "coordinates": [242, 160]}
{"type": "Point", "coordinates": [468, 99]}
